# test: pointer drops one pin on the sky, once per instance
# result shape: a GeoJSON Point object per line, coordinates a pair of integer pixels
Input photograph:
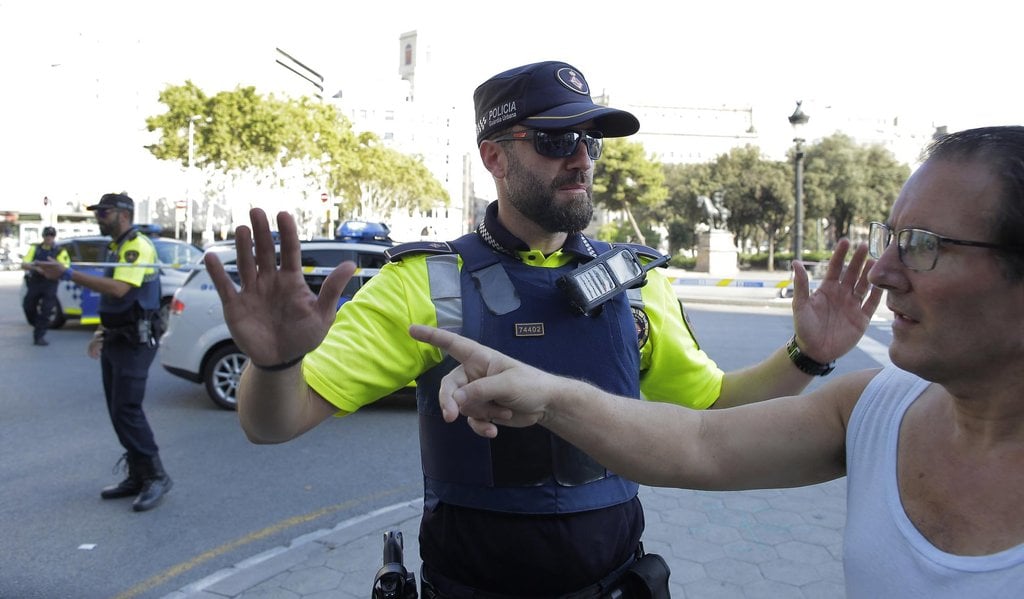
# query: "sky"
{"type": "Point", "coordinates": [80, 77]}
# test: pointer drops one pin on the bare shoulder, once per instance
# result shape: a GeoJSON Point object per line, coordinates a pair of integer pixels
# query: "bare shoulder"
{"type": "Point", "coordinates": [842, 393]}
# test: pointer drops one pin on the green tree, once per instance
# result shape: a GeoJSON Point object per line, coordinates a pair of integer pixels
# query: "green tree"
{"type": "Point", "coordinates": [847, 183]}
{"type": "Point", "coordinates": [680, 212]}
{"type": "Point", "coordinates": [885, 179]}
{"type": "Point", "coordinates": [240, 134]}
{"type": "Point", "coordinates": [625, 180]}
{"type": "Point", "coordinates": [758, 194]}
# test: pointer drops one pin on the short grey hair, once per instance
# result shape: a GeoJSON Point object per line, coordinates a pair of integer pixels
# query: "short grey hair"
{"type": "Point", "coordinates": [1002, 149]}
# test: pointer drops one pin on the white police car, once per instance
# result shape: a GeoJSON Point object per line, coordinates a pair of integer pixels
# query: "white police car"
{"type": "Point", "coordinates": [75, 301]}
{"type": "Point", "coordinates": [198, 346]}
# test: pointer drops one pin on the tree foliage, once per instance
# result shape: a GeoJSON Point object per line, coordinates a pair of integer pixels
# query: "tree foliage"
{"type": "Point", "coordinates": [847, 183]}
{"type": "Point", "coordinates": [626, 181]}
{"type": "Point", "coordinates": [758, 193]}
{"type": "Point", "coordinates": [240, 134]}
{"type": "Point", "coordinates": [681, 213]}
{"type": "Point", "coordinates": [844, 183]}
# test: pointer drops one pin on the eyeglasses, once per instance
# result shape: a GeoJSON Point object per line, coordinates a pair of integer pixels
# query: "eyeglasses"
{"type": "Point", "coordinates": [559, 144]}
{"type": "Point", "coordinates": [103, 212]}
{"type": "Point", "coordinates": [919, 249]}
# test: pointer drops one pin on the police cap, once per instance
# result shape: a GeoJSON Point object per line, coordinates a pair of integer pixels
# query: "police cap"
{"type": "Point", "coordinates": [119, 201]}
{"type": "Point", "coordinates": [544, 95]}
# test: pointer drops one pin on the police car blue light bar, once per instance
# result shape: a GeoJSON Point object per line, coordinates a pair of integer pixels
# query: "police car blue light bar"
{"type": "Point", "coordinates": [357, 230]}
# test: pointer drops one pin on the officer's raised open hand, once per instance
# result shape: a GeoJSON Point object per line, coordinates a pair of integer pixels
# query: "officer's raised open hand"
{"type": "Point", "coordinates": [275, 318]}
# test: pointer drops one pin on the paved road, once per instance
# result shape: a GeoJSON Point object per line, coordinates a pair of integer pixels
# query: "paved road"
{"type": "Point", "coordinates": [231, 499]}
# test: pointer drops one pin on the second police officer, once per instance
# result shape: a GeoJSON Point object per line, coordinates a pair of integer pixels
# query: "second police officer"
{"type": "Point", "coordinates": [41, 292]}
{"type": "Point", "coordinates": [126, 344]}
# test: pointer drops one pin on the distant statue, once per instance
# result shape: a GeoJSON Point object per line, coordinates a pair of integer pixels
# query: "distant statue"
{"type": "Point", "coordinates": [713, 210]}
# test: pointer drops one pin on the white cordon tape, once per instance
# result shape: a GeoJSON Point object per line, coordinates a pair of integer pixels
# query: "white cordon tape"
{"type": "Point", "coordinates": [368, 272]}
{"type": "Point", "coordinates": [306, 270]}
{"type": "Point", "coordinates": [732, 283]}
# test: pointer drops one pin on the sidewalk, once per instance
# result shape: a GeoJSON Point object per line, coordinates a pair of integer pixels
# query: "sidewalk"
{"type": "Point", "coordinates": [770, 544]}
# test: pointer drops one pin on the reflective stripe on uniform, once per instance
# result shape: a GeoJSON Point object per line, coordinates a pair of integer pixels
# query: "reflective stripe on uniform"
{"type": "Point", "coordinates": [445, 290]}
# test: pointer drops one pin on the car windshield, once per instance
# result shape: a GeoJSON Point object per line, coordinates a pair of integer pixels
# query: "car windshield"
{"type": "Point", "coordinates": [319, 257]}
{"type": "Point", "coordinates": [176, 253]}
{"type": "Point", "coordinates": [169, 252]}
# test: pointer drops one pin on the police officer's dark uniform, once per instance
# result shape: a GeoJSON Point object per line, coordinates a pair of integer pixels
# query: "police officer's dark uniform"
{"type": "Point", "coordinates": [525, 514]}
{"type": "Point", "coordinates": [473, 484]}
{"type": "Point", "coordinates": [41, 293]}
{"type": "Point", "coordinates": [131, 328]}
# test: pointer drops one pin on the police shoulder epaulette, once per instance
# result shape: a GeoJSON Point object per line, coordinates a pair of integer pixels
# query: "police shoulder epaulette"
{"type": "Point", "coordinates": [641, 250]}
{"type": "Point", "coordinates": [396, 253]}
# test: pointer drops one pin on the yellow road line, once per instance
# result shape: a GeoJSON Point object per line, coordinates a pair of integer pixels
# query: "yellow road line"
{"type": "Point", "coordinates": [206, 556]}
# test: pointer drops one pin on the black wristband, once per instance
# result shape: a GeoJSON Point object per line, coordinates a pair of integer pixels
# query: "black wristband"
{"type": "Point", "coordinates": [279, 367]}
{"type": "Point", "coordinates": [805, 363]}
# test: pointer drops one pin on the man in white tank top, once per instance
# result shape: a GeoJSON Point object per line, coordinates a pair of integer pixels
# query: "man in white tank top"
{"type": "Point", "coordinates": [933, 447]}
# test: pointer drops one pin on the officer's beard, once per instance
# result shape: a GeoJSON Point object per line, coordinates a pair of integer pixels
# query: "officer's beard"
{"type": "Point", "coordinates": [110, 229]}
{"type": "Point", "coordinates": [535, 200]}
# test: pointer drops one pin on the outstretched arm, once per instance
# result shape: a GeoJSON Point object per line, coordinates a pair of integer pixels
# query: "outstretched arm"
{"type": "Point", "coordinates": [787, 442]}
{"type": "Point", "coordinates": [276, 319]}
{"type": "Point", "coordinates": [54, 269]}
{"type": "Point", "coordinates": [828, 323]}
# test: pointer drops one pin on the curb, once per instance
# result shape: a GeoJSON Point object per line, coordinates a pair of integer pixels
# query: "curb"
{"type": "Point", "coordinates": [315, 547]}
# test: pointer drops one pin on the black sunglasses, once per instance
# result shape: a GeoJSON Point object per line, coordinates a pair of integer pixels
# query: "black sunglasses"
{"type": "Point", "coordinates": [559, 144]}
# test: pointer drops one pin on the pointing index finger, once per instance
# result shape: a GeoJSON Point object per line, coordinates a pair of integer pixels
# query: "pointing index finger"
{"type": "Point", "coordinates": [458, 347]}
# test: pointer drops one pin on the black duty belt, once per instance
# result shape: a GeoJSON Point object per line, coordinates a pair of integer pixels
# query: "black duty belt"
{"type": "Point", "coordinates": [437, 586]}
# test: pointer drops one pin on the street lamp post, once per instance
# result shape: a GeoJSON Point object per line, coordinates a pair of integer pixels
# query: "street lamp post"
{"type": "Point", "coordinates": [798, 119]}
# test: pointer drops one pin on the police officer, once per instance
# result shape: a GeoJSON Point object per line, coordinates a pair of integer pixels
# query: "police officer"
{"type": "Point", "coordinates": [531, 515]}
{"type": "Point", "coordinates": [41, 296]}
{"type": "Point", "coordinates": [126, 342]}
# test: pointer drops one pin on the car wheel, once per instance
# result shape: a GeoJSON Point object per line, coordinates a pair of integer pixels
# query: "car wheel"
{"type": "Point", "coordinates": [223, 370]}
{"type": "Point", "coordinates": [57, 318]}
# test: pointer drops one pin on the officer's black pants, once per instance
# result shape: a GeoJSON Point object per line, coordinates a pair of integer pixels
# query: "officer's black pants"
{"type": "Point", "coordinates": [39, 301]}
{"type": "Point", "coordinates": [125, 368]}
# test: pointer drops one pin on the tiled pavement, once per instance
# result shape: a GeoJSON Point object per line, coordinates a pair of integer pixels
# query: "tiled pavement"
{"type": "Point", "coordinates": [761, 544]}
